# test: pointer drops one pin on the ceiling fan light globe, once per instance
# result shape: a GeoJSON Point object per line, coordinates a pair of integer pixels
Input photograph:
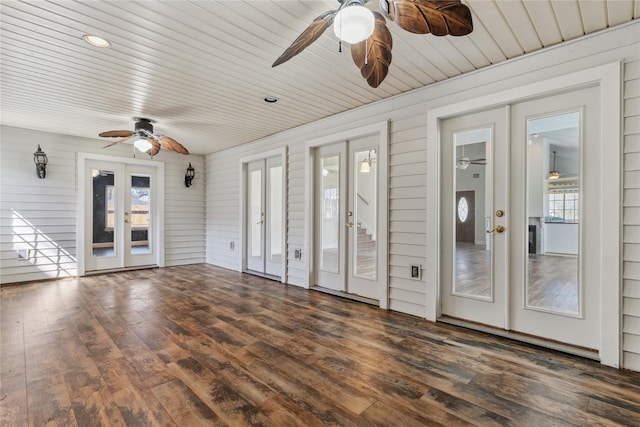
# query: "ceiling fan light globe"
{"type": "Point", "coordinates": [354, 24]}
{"type": "Point", "coordinates": [143, 145]}
{"type": "Point", "coordinates": [463, 163]}
{"type": "Point", "coordinates": [554, 175]}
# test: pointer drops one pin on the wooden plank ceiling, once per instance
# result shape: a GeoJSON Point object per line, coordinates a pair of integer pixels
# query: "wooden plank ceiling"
{"type": "Point", "coordinates": [201, 69]}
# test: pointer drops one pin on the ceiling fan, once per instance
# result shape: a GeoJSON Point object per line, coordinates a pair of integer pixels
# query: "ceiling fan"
{"type": "Point", "coordinates": [370, 39]}
{"type": "Point", "coordinates": [464, 162]}
{"type": "Point", "coordinates": [147, 141]}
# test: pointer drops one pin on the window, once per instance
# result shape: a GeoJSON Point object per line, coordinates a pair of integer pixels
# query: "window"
{"type": "Point", "coordinates": [463, 209]}
{"type": "Point", "coordinates": [139, 207]}
{"type": "Point", "coordinates": [563, 207]}
{"type": "Point", "coordinates": [110, 207]}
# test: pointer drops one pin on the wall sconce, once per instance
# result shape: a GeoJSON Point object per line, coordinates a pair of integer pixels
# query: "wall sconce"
{"type": "Point", "coordinates": [365, 166]}
{"type": "Point", "coordinates": [188, 176]}
{"type": "Point", "coordinates": [40, 159]}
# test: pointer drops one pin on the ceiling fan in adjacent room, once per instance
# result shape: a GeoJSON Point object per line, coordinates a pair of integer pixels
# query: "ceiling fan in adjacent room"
{"type": "Point", "coordinates": [369, 37]}
{"type": "Point", "coordinates": [464, 162]}
{"type": "Point", "coordinates": [146, 141]}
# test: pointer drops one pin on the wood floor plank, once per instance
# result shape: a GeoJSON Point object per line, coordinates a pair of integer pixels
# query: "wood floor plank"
{"type": "Point", "coordinates": [230, 406]}
{"type": "Point", "coordinates": [185, 408]}
{"type": "Point", "coordinates": [200, 345]}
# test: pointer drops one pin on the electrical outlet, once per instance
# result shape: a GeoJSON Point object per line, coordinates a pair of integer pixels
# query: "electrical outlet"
{"type": "Point", "coordinates": [415, 271]}
{"type": "Point", "coordinates": [297, 254]}
{"type": "Point", "coordinates": [232, 245]}
{"type": "Point", "coordinates": [23, 254]}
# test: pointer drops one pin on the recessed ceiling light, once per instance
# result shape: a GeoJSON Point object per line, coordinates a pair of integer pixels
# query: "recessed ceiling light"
{"type": "Point", "coordinates": [96, 41]}
{"type": "Point", "coordinates": [270, 99]}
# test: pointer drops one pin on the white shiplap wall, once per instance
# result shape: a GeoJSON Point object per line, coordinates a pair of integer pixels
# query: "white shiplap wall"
{"type": "Point", "coordinates": [407, 168]}
{"type": "Point", "coordinates": [631, 218]}
{"type": "Point", "coordinates": [40, 214]}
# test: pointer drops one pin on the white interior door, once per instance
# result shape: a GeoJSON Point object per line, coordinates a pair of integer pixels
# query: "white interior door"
{"type": "Point", "coordinates": [474, 271]}
{"type": "Point", "coordinates": [347, 218]}
{"type": "Point", "coordinates": [362, 219]}
{"type": "Point", "coordinates": [140, 216]}
{"type": "Point", "coordinates": [120, 220]}
{"type": "Point", "coordinates": [537, 194]}
{"type": "Point", "coordinates": [556, 280]}
{"type": "Point", "coordinates": [265, 216]}
{"type": "Point", "coordinates": [104, 215]}
{"type": "Point", "coordinates": [331, 217]}
{"type": "Point", "coordinates": [274, 221]}
{"type": "Point", "coordinates": [256, 216]}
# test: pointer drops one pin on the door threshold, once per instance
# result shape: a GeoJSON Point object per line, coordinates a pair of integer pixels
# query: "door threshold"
{"type": "Point", "coordinates": [264, 275]}
{"type": "Point", "coordinates": [119, 270]}
{"type": "Point", "coordinates": [518, 336]}
{"type": "Point", "coordinates": [346, 295]}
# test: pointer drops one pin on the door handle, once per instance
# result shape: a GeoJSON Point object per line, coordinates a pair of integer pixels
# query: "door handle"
{"type": "Point", "coordinates": [497, 229]}
{"type": "Point", "coordinates": [350, 224]}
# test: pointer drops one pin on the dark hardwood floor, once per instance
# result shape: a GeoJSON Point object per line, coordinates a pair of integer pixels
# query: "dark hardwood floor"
{"type": "Point", "coordinates": [200, 345]}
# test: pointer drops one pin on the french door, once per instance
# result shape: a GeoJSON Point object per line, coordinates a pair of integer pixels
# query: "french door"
{"type": "Point", "coordinates": [535, 172]}
{"type": "Point", "coordinates": [120, 215]}
{"type": "Point", "coordinates": [265, 248]}
{"type": "Point", "coordinates": [346, 203]}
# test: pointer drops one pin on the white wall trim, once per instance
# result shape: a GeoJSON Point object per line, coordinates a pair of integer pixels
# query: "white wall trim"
{"type": "Point", "coordinates": [608, 76]}
{"type": "Point", "coordinates": [81, 187]}
{"type": "Point", "coordinates": [244, 162]}
{"type": "Point", "coordinates": [382, 130]}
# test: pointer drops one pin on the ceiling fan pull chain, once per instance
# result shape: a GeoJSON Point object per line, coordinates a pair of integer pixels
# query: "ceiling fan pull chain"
{"type": "Point", "coordinates": [366, 52]}
{"type": "Point", "coordinates": [340, 38]}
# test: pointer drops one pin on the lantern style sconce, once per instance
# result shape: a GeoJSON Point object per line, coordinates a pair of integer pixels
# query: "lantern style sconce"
{"type": "Point", "coordinates": [40, 159]}
{"type": "Point", "coordinates": [188, 176]}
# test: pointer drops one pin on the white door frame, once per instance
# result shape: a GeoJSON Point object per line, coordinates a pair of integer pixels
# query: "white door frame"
{"type": "Point", "coordinates": [244, 164]}
{"type": "Point", "coordinates": [382, 130]}
{"type": "Point", "coordinates": [81, 189]}
{"type": "Point", "coordinates": [609, 78]}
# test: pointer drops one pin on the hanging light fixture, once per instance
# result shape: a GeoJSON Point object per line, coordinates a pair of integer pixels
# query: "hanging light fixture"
{"type": "Point", "coordinates": [188, 176]}
{"type": "Point", "coordinates": [354, 22]}
{"type": "Point", "coordinates": [40, 159]}
{"type": "Point", "coordinates": [143, 144]}
{"type": "Point", "coordinates": [554, 174]}
{"type": "Point", "coordinates": [365, 166]}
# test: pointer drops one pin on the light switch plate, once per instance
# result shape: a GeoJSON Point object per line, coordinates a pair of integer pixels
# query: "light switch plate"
{"type": "Point", "coordinates": [415, 271]}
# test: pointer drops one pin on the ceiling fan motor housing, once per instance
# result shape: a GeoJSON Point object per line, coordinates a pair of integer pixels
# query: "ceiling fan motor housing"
{"type": "Point", "coordinates": [143, 125]}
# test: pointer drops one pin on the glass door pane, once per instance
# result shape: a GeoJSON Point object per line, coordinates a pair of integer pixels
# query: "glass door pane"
{"type": "Point", "coordinates": [275, 214]}
{"type": "Point", "coordinates": [472, 214]}
{"type": "Point", "coordinates": [256, 212]}
{"type": "Point", "coordinates": [329, 223]}
{"type": "Point", "coordinates": [104, 206]}
{"type": "Point", "coordinates": [139, 214]}
{"type": "Point", "coordinates": [365, 247]}
{"type": "Point", "coordinates": [553, 206]}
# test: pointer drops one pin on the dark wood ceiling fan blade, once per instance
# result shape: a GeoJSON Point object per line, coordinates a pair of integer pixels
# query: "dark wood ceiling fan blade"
{"type": "Point", "coordinates": [438, 17]}
{"type": "Point", "coordinates": [172, 145]}
{"type": "Point", "coordinates": [308, 36]}
{"type": "Point", "coordinates": [373, 56]}
{"type": "Point", "coordinates": [119, 141]}
{"type": "Point", "coordinates": [116, 133]}
{"type": "Point", "coordinates": [155, 147]}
